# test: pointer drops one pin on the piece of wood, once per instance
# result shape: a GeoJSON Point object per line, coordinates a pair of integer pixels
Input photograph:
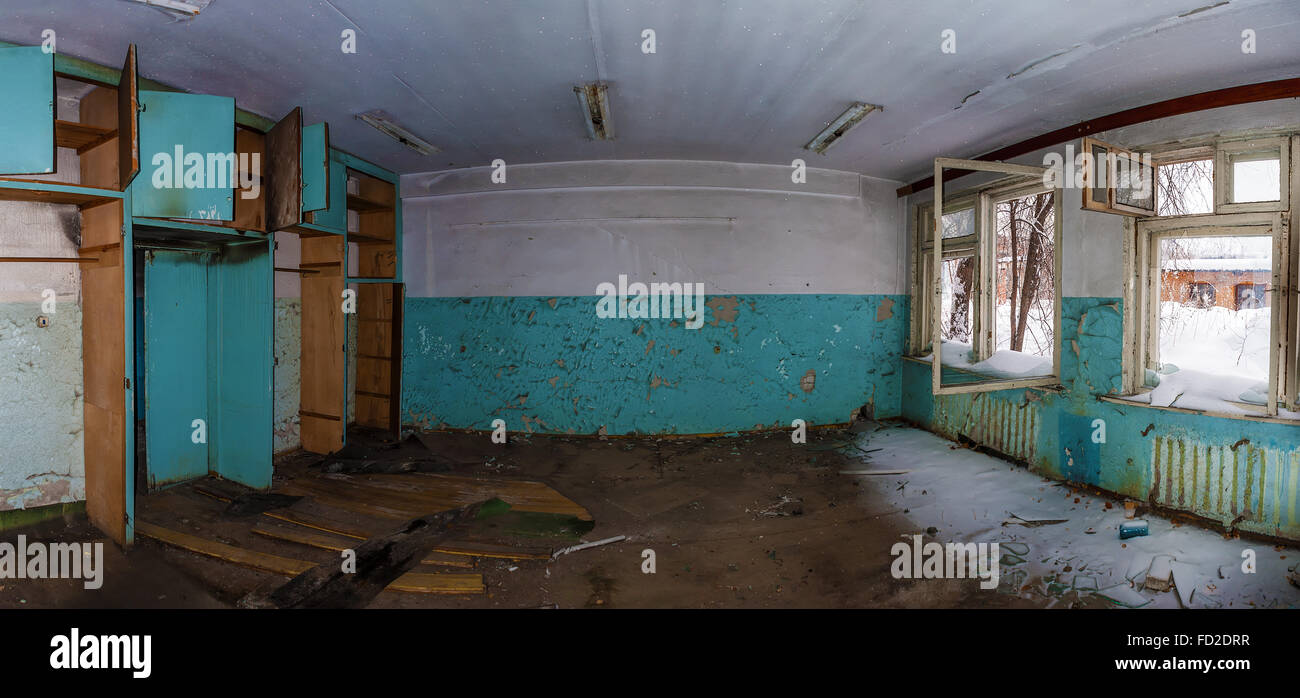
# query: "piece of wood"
{"type": "Point", "coordinates": [322, 386]}
{"type": "Point", "coordinates": [103, 352]}
{"type": "Point", "coordinates": [874, 472]}
{"type": "Point", "coordinates": [80, 137]}
{"type": "Point", "coordinates": [336, 543]}
{"type": "Point", "coordinates": [458, 583]}
{"type": "Point", "coordinates": [128, 121]}
{"type": "Point", "coordinates": [1242, 94]}
{"type": "Point", "coordinates": [380, 562]}
{"type": "Point", "coordinates": [424, 492]}
{"type": "Point", "coordinates": [75, 260]}
{"type": "Point", "coordinates": [457, 547]}
{"type": "Point", "coordinates": [250, 213]}
{"type": "Point", "coordinates": [284, 172]}
{"type": "Point", "coordinates": [99, 162]}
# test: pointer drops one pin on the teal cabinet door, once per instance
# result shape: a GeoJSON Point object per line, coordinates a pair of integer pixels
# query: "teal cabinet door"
{"type": "Point", "coordinates": [187, 157]}
{"type": "Point", "coordinates": [176, 366]}
{"type": "Point", "coordinates": [315, 167]}
{"type": "Point", "coordinates": [27, 116]}
{"type": "Point", "coordinates": [241, 355]}
{"type": "Point", "coordinates": [335, 217]}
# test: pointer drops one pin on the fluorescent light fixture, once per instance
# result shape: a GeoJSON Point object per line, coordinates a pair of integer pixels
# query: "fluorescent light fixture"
{"type": "Point", "coordinates": [174, 5]}
{"type": "Point", "coordinates": [840, 126]}
{"type": "Point", "coordinates": [385, 123]}
{"type": "Point", "coordinates": [593, 99]}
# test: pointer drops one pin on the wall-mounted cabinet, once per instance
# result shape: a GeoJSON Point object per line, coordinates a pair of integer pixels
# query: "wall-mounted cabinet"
{"type": "Point", "coordinates": [186, 142]}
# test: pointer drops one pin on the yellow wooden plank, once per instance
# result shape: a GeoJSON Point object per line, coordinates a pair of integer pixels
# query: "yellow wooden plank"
{"type": "Point", "coordinates": [416, 582]}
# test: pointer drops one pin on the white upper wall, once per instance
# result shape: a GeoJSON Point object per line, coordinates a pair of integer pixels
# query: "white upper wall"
{"type": "Point", "coordinates": [563, 228]}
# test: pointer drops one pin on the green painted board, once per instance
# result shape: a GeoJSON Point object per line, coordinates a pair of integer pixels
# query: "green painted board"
{"type": "Point", "coordinates": [240, 290]}
{"type": "Point", "coordinates": [27, 117]}
{"type": "Point", "coordinates": [175, 355]}
{"type": "Point", "coordinates": [335, 217]}
{"type": "Point", "coordinates": [187, 143]}
{"type": "Point", "coordinates": [315, 167]}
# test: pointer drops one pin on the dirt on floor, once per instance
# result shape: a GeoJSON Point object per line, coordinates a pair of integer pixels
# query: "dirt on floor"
{"type": "Point", "coordinates": [749, 521]}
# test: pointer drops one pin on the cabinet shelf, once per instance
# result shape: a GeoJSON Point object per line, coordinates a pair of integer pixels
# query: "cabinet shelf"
{"type": "Point", "coordinates": [81, 137]}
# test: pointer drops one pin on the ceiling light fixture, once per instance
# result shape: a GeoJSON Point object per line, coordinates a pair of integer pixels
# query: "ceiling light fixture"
{"type": "Point", "coordinates": [385, 123]}
{"type": "Point", "coordinates": [840, 126]}
{"type": "Point", "coordinates": [174, 5]}
{"type": "Point", "coordinates": [593, 99]}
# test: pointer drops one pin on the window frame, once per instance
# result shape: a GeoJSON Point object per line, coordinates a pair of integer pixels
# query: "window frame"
{"type": "Point", "coordinates": [987, 197]}
{"type": "Point", "coordinates": [922, 277]}
{"type": "Point", "coordinates": [1223, 152]}
{"type": "Point", "coordinates": [1142, 293]}
{"type": "Point", "coordinates": [1090, 174]}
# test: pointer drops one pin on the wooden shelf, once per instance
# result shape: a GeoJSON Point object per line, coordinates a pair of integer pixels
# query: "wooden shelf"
{"type": "Point", "coordinates": [81, 137]}
{"type": "Point", "coordinates": [362, 238]}
{"type": "Point", "coordinates": [357, 202]}
{"type": "Point", "coordinates": [45, 191]}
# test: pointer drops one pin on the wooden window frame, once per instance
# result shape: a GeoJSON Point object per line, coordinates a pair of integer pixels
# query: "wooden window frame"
{"type": "Point", "coordinates": [1225, 150]}
{"type": "Point", "coordinates": [1090, 175]}
{"type": "Point", "coordinates": [1142, 294]}
{"type": "Point", "coordinates": [988, 196]}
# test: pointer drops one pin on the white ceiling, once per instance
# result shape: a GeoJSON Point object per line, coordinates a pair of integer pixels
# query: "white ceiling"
{"type": "Point", "coordinates": [735, 80]}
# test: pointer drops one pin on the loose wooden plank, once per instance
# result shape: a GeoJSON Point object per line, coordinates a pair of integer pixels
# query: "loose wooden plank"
{"type": "Point", "coordinates": [462, 548]}
{"type": "Point", "coordinates": [337, 543]}
{"type": "Point", "coordinates": [425, 583]}
{"type": "Point", "coordinates": [419, 493]}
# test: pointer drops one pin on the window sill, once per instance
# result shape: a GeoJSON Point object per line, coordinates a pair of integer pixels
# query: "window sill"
{"type": "Point", "coordinates": [1249, 416]}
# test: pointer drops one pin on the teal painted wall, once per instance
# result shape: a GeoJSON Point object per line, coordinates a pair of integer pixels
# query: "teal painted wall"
{"type": "Point", "coordinates": [551, 365]}
{"type": "Point", "coordinates": [1239, 472]}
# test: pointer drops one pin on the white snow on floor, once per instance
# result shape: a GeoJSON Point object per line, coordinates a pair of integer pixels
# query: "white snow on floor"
{"type": "Point", "coordinates": [967, 496]}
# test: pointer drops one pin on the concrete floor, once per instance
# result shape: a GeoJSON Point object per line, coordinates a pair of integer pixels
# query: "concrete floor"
{"type": "Point", "coordinates": [753, 521]}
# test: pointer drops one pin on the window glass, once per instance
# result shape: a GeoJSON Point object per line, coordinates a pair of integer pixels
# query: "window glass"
{"type": "Point", "coordinates": [1185, 188]}
{"type": "Point", "coordinates": [1214, 305]}
{"type": "Point", "coordinates": [1026, 285]}
{"type": "Point", "coordinates": [958, 277]}
{"type": "Point", "coordinates": [1255, 177]}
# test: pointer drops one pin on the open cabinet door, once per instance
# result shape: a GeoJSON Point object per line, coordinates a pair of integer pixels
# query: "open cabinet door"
{"type": "Point", "coordinates": [284, 172]}
{"type": "Point", "coordinates": [315, 161]}
{"type": "Point", "coordinates": [27, 143]}
{"type": "Point", "coordinates": [128, 121]}
{"type": "Point", "coordinates": [186, 141]}
{"type": "Point", "coordinates": [379, 356]}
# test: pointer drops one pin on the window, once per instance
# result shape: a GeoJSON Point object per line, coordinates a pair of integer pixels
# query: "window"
{"type": "Point", "coordinates": [1185, 188]}
{"type": "Point", "coordinates": [1254, 175]}
{"type": "Point", "coordinates": [957, 275]}
{"type": "Point", "coordinates": [1116, 180]}
{"type": "Point", "coordinates": [1207, 307]}
{"type": "Point", "coordinates": [994, 298]}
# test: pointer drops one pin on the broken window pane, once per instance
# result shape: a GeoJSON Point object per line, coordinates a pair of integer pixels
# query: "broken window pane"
{"type": "Point", "coordinates": [1026, 285]}
{"type": "Point", "coordinates": [1185, 188]}
{"type": "Point", "coordinates": [1214, 308]}
{"type": "Point", "coordinates": [1255, 177]}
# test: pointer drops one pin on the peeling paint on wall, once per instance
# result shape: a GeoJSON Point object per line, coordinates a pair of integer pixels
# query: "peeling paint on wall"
{"type": "Point", "coordinates": [1244, 474]}
{"type": "Point", "coordinates": [288, 359]}
{"type": "Point", "coordinates": [41, 386]}
{"type": "Point", "coordinates": [466, 361]}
